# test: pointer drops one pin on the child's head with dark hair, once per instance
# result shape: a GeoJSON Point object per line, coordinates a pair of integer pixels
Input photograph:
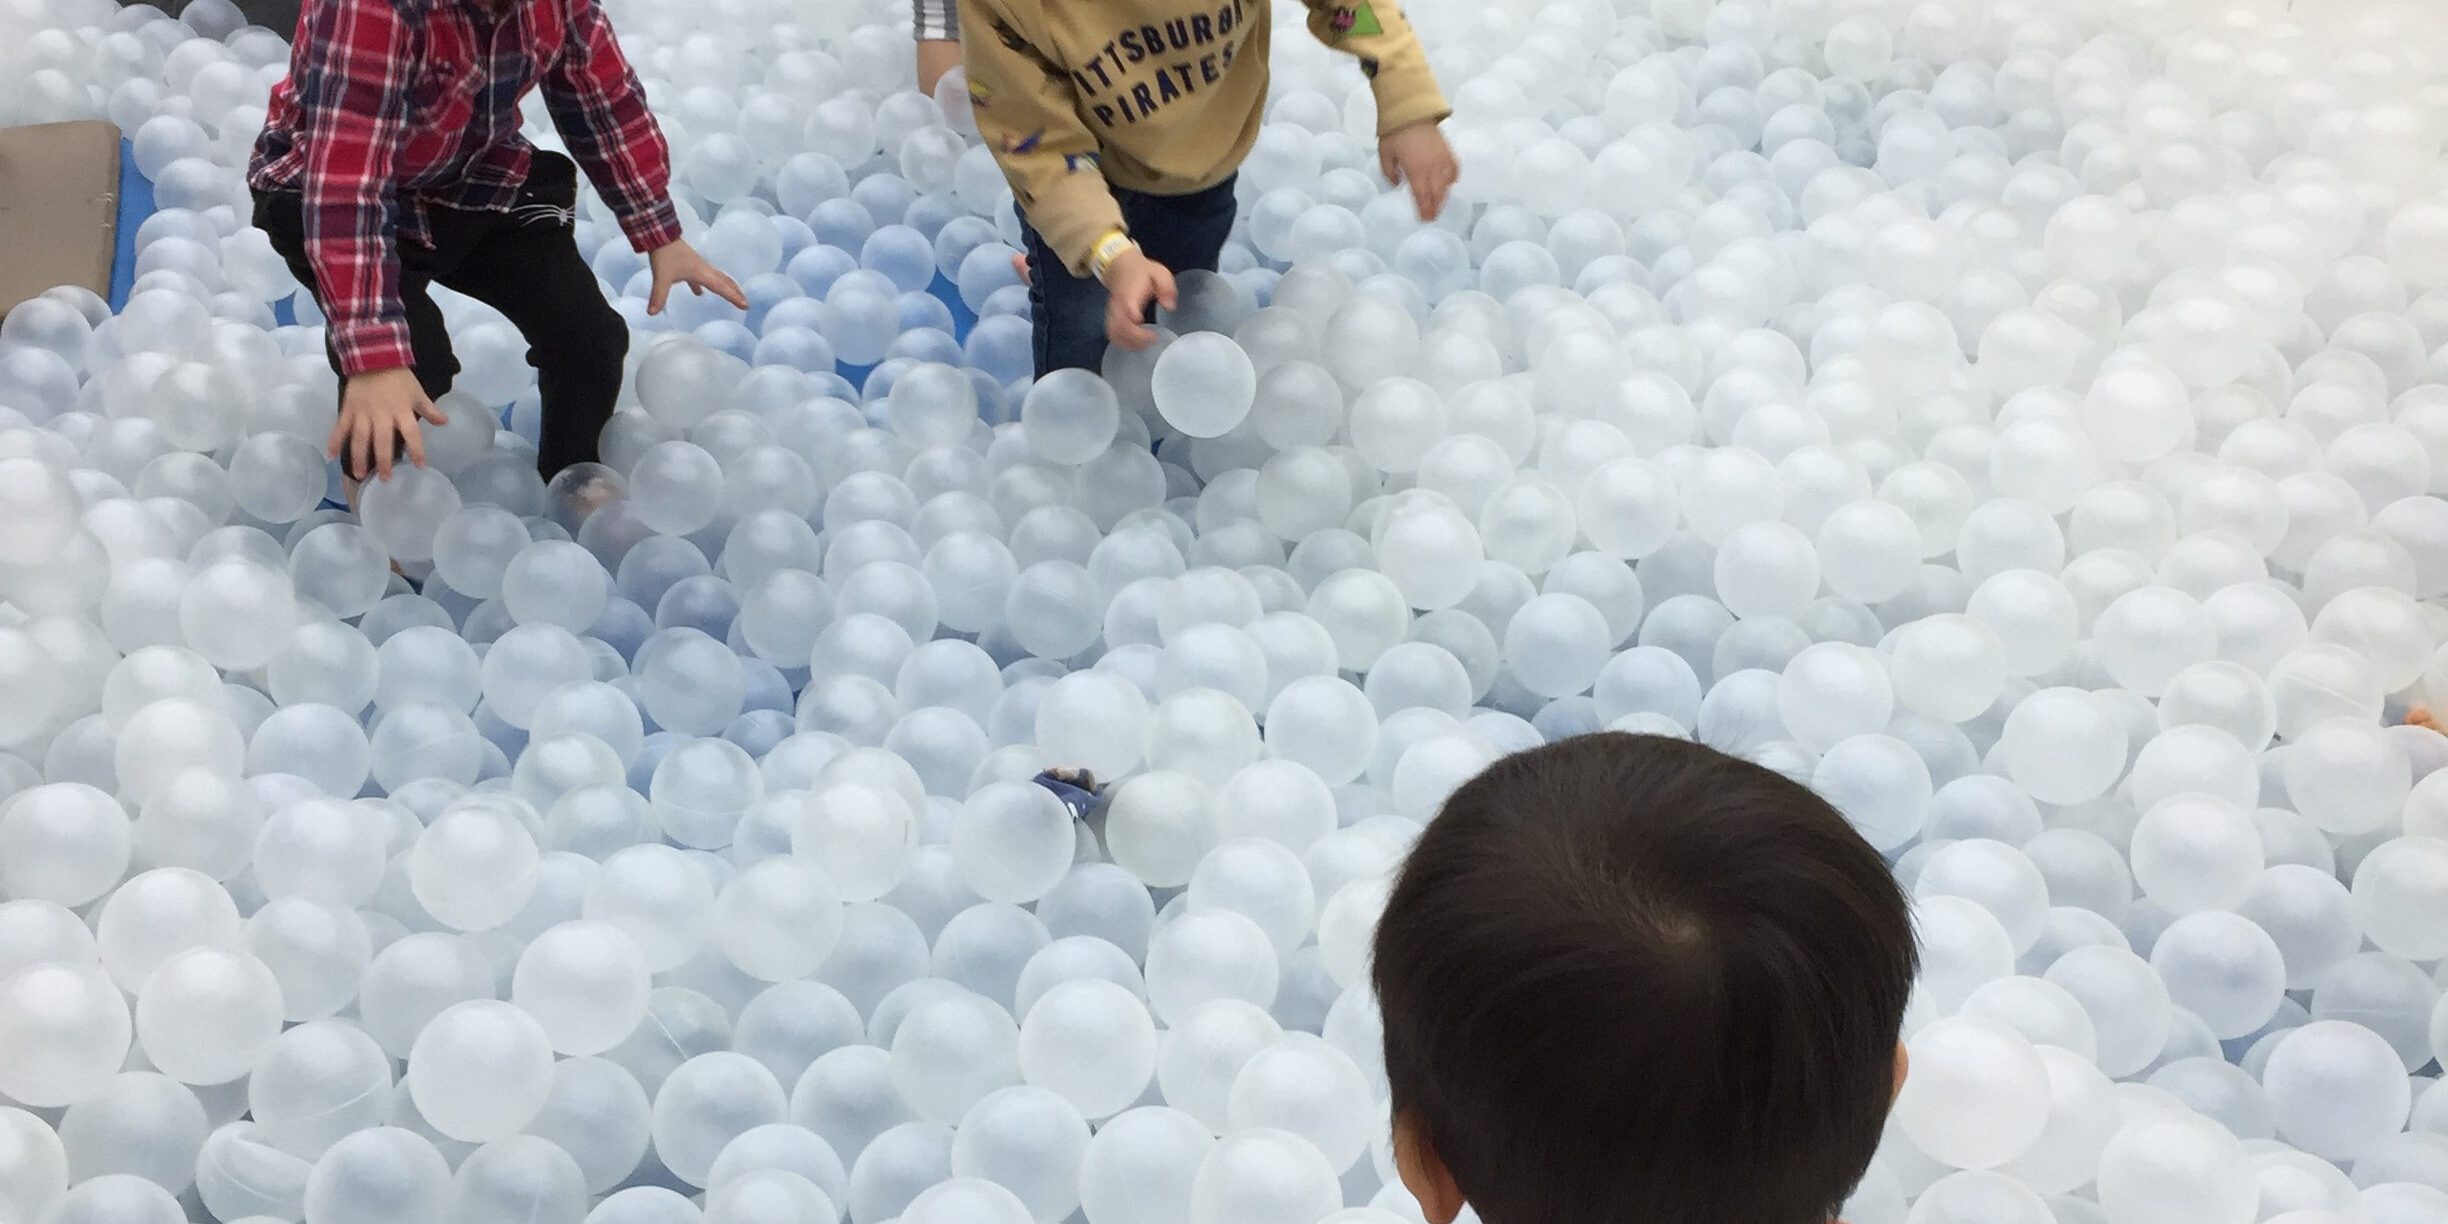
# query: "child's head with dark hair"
{"type": "Point", "coordinates": [1632, 978]}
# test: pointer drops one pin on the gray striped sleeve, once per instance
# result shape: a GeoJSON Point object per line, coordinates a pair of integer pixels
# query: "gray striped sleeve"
{"type": "Point", "coordinates": [935, 20]}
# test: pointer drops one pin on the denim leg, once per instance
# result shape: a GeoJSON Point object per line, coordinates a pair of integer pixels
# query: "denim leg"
{"type": "Point", "coordinates": [1185, 233]}
{"type": "Point", "coordinates": [1066, 312]}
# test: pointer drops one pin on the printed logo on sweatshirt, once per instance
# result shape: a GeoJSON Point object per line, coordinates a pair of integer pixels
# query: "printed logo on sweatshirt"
{"type": "Point", "coordinates": [1024, 144]}
{"type": "Point", "coordinates": [1101, 81]}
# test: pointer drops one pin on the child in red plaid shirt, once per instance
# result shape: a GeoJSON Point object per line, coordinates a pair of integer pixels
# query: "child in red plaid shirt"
{"type": "Point", "coordinates": [391, 160]}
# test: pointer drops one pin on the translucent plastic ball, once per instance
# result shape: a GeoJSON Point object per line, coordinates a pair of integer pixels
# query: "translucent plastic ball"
{"type": "Point", "coordinates": [317, 951]}
{"type": "Point", "coordinates": [585, 983]}
{"type": "Point", "coordinates": [34, 1162]}
{"type": "Point", "coordinates": [2193, 852]}
{"type": "Point", "coordinates": [949, 1054]}
{"type": "Point", "coordinates": [963, 1199]}
{"type": "Point", "coordinates": [2169, 1166]}
{"type": "Point", "coordinates": [411, 980]}
{"type": "Point", "coordinates": [2346, 775]}
{"type": "Point", "coordinates": [1978, 1096]}
{"type": "Point", "coordinates": [526, 664]}
{"type": "Point", "coordinates": [690, 683]}
{"type": "Point", "coordinates": [2224, 969]}
{"type": "Point", "coordinates": [706, 1103]}
{"type": "Point", "coordinates": [2063, 746]}
{"type": "Point", "coordinates": [1013, 841]}
{"type": "Point", "coordinates": [516, 1180]}
{"type": "Point", "coordinates": [406, 512]}
{"type": "Point", "coordinates": [659, 897]}
{"type": "Point", "coordinates": [2397, 897]}
{"type": "Point", "coordinates": [1263, 1177]}
{"type": "Point", "coordinates": [1309, 1088]}
{"type": "Point", "coordinates": [675, 488]}
{"type": "Point", "coordinates": [1555, 645]}
{"type": "Point", "coordinates": [1091, 1041]}
{"type": "Point", "coordinates": [319, 1082]}
{"type": "Point", "coordinates": [861, 837]}
{"type": "Point", "coordinates": [1204, 384]}
{"type": "Point", "coordinates": [64, 1032]}
{"type": "Point", "coordinates": [1141, 1166]}
{"type": "Point", "coordinates": [555, 582]}
{"type": "Point", "coordinates": [2127, 1002]}
{"type": "Point", "coordinates": [114, 1198]}
{"type": "Point", "coordinates": [1026, 1141]}
{"type": "Point", "coordinates": [481, 1070]}
{"type": "Point", "coordinates": [1206, 955]}
{"type": "Point", "coordinates": [778, 920]}
{"type": "Point", "coordinates": [384, 1174]}
{"type": "Point", "coordinates": [473, 868]}
{"type": "Point", "coordinates": [1828, 692]}
{"type": "Point", "coordinates": [1070, 416]}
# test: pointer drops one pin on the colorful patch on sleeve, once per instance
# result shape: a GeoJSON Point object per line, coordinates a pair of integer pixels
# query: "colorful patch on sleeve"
{"type": "Point", "coordinates": [979, 96]}
{"type": "Point", "coordinates": [1076, 162]}
{"type": "Point", "coordinates": [1025, 144]}
{"type": "Point", "coordinates": [1361, 19]}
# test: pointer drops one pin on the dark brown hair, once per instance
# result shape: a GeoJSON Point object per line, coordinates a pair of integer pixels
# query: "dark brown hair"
{"type": "Point", "coordinates": [1631, 978]}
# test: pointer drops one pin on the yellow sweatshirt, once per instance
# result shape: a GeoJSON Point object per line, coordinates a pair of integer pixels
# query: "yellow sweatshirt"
{"type": "Point", "coordinates": [1160, 96]}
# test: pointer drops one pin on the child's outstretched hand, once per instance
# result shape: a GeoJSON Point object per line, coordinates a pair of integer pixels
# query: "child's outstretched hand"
{"type": "Point", "coordinates": [1131, 282]}
{"type": "Point", "coordinates": [1419, 156]}
{"type": "Point", "coordinates": [678, 263]}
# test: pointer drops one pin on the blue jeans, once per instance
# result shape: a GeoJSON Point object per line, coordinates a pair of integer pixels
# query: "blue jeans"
{"type": "Point", "coordinates": [1184, 233]}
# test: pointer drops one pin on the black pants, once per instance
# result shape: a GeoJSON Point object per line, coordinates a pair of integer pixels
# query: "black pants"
{"type": "Point", "coordinates": [523, 263]}
{"type": "Point", "coordinates": [1185, 233]}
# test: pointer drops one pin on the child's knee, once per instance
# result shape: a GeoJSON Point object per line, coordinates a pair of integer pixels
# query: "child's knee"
{"type": "Point", "coordinates": [590, 336]}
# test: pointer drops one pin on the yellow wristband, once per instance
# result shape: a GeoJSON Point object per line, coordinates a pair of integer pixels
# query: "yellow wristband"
{"type": "Point", "coordinates": [1108, 249]}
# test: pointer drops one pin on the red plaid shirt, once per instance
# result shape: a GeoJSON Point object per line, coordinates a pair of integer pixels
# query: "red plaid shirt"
{"type": "Point", "coordinates": [394, 106]}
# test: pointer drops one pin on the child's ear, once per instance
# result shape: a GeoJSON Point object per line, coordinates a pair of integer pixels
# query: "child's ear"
{"type": "Point", "coordinates": [1423, 1172]}
{"type": "Point", "coordinates": [1903, 1069]}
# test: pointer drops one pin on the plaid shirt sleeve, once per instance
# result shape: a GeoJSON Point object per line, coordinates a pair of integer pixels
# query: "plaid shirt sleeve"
{"type": "Point", "coordinates": [600, 109]}
{"type": "Point", "coordinates": [353, 103]}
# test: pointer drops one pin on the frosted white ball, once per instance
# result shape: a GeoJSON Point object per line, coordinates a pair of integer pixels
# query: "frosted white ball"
{"type": "Point", "coordinates": [2166, 1166]}
{"type": "Point", "coordinates": [1978, 1095]}
{"type": "Point", "coordinates": [1206, 955]}
{"type": "Point", "coordinates": [1204, 384]}
{"type": "Point", "coordinates": [2063, 746]}
{"type": "Point", "coordinates": [1091, 1041]}
{"type": "Point", "coordinates": [1309, 1088]}
{"type": "Point", "coordinates": [474, 868]}
{"type": "Point", "coordinates": [861, 837]}
{"type": "Point", "coordinates": [778, 920]}
{"type": "Point", "coordinates": [949, 1054]}
{"type": "Point", "coordinates": [1070, 416]}
{"type": "Point", "coordinates": [585, 983]}
{"type": "Point", "coordinates": [1263, 1177]}
{"type": "Point", "coordinates": [1013, 841]}
{"type": "Point", "coordinates": [480, 1070]}
{"type": "Point", "coordinates": [2398, 897]}
{"type": "Point", "coordinates": [2194, 852]}
{"type": "Point", "coordinates": [706, 1103]}
{"type": "Point", "coordinates": [64, 1032]}
{"type": "Point", "coordinates": [1140, 1167]}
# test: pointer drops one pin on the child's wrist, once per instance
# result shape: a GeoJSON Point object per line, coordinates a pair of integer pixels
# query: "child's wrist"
{"type": "Point", "coordinates": [1113, 246]}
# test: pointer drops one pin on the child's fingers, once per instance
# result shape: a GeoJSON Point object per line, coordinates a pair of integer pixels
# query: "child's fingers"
{"type": "Point", "coordinates": [1388, 166]}
{"type": "Point", "coordinates": [656, 296]}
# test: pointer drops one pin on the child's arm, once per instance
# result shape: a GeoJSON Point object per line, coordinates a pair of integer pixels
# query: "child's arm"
{"type": "Point", "coordinates": [1409, 104]}
{"type": "Point", "coordinates": [1028, 114]}
{"type": "Point", "coordinates": [1390, 54]}
{"type": "Point", "coordinates": [600, 110]}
